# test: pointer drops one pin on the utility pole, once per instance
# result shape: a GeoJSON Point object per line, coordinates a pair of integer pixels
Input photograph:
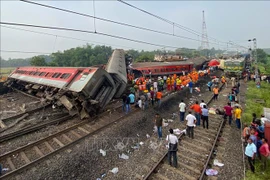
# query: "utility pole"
{"type": "Point", "coordinates": [204, 43]}
{"type": "Point", "coordinates": [256, 61]}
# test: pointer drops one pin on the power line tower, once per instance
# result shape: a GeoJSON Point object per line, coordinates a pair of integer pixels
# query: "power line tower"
{"type": "Point", "coordinates": [204, 43]}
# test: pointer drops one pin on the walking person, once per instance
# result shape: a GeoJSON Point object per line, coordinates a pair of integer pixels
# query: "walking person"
{"type": "Point", "coordinates": [190, 85]}
{"type": "Point", "coordinates": [198, 111]}
{"type": "Point", "coordinates": [158, 97]}
{"type": "Point", "coordinates": [264, 152]}
{"type": "Point", "coordinates": [173, 148]}
{"type": "Point", "coordinates": [250, 152]}
{"type": "Point", "coordinates": [209, 85]}
{"type": "Point", "coordinates": [205, 113]}
{"type": "Point", "coordinates": [191, 123]}
{"type": "Point", "coordinates": [215, 90]}
{"type": "Point", "coordinates": [159, 122]}
{"type": "Point", "coordinates": [228, 112]}
{"type": "Point", "coordinates": [124, 99]}
{"type": "Point", "coordinates": [182, 107]}
{"type": "Point", "coordinates": [237, 114]}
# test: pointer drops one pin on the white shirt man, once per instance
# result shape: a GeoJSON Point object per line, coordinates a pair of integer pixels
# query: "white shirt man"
{"type": "Point", "coordinates": [182, 107]}
{"type": "Point", "coordinates": [155, 85]}
{"type": "Point", "coordinates": [191, 119]}
{"type": "Point", "coordinates": [171, 138]}
{"type": "Point", "coordinates": [202, 104]}
{"type": "Point", "coordinates": [140, 103]}
{"type": "Point", "coordinates": [263, 119]}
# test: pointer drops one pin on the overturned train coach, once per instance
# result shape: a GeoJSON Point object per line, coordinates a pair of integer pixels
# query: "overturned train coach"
{"type": "Point", "coordinates": [82, 90]}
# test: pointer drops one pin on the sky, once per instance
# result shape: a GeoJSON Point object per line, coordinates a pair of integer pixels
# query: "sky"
{"type": "Point", "coordinates": [235, 21]}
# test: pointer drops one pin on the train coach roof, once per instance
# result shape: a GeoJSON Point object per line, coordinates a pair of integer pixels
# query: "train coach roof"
{"type": "Point", "coordinates": [151, 64]}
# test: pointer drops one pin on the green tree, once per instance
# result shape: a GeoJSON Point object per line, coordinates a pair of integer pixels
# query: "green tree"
{"type": "Point", "coordinates": [261, 56]}
{"type": "Point", "coordinates": [38, 61]}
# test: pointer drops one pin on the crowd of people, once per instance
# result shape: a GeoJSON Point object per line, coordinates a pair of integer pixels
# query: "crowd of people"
{"type": "Point", "coordinates": [255, 141]}
{"type": "Point", "coordinates": [253, 134]}
{"type": "Point", "coordinates": [147, 91]}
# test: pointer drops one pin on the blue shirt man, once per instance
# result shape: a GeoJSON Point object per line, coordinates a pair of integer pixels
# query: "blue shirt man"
{"type": "Point", "coordinates": [190, 85]}
{"type": "Point", "coordinates": [132, 98]}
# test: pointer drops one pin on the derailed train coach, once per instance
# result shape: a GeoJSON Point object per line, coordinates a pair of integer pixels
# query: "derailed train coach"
{"type": "Point", "coordinates": [81, 90]}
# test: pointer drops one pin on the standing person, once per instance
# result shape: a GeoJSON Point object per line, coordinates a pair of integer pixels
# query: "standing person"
{"type": "Point", "coordinates": [205, 116]}
{"type": "Point", "coordinates": [158, 122]}
{"type": "Point", "coordinates": [152, 93]}
{"type": "Point", "coordinates": [237, 114]}
{"type": "Point", "coordinates": [182, 107]}
{"type": "Point", "coordinates": [191, 121]}
{"type": "Point", "coordinates": [127, 104]}
{"type": "Point", "coordinates": [173, 148]}
{"type": "Point", "coordinates": [233, 81]}
{"type": "Point", "coordinates": [124, 99]}
{"type": "Point", "coordinates": [250, 152]}
{"type": "Point", "coordinates": [215, 90]}
{"type": "Point", "coordinates": [202, 104]}
{"type": "Point", "coordinates": [228, 112]}
{"type": "Point", "coordinates": [223, 80]}
{"type": "Point", "coordinates": [264, 151]}
{"type": "Point", "coordinates": [209, 85]}
{"type": "Point", "coordinates": [140, 103]}
{"type": "Point", "coordinates": [246, 132]}
{"type": "Point", "coordinates": [158, 97]}
{"type": "Point", "coordinates": [132, 98]}
{"type": "Point", "coordinates": [155, 84]}
{"type": "Point", "coordinates": [190, 85]}
{"type": "Point", "coordinates": [198, 111]}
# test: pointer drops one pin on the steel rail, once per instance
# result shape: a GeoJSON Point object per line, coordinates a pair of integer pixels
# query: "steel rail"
{"type": "Point", "coordinates": [31, 164]}
{"type": "Point", "coordinates": [209, 157]}
{"type": "Point", "coordinates": [33, 128]}
{"type": "Point", "coordinates": [21, 114]}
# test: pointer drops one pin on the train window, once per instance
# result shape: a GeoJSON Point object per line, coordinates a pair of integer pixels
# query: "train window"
{"type": "Point", "coordinates": [36, 73]}
{"type": "Point", "coordinates": [49, 74]}
{"type": "Point", "coordinates": [42, 73]}
{"type": "Point", "coordinates": [65, 75]}
{"type": "Point", "coordinates": [157, 70]}
{"type": "Point", "coordinates": [56, 75]}
{"type": "Point", "coordinates": [167, 69]}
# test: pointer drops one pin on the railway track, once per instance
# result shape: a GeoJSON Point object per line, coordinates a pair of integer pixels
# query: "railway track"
{"type": "Point", "coordinates": [34, 128]}
{"type": "Point", "coordinates": [29, 155]}
{"type": "Point", "coordinates": [194, 155]}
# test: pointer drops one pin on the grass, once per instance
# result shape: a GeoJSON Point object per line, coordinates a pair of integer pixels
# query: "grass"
{"type": "Point", "coordinates": [252, 94]}
{"type": "Point", "coordinates": [6, 70]}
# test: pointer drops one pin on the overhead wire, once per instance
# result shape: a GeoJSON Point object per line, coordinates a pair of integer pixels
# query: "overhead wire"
{"type": "Point", "coordinates": [111, 21]}
{"type": "Point", "coordinates": [168, 21]}
{"type": "Point", "coordinates": [68, 37]}
{"type": "Point", "coordinates": [89, 32]}
{"type": "Point", "coordinates": [29, 52]}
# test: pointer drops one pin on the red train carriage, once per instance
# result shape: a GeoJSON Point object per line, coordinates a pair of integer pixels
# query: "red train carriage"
{"type": "Point", "coordinates": [162, 68]}
{"type": "Point", "coordinates": [80, 90]}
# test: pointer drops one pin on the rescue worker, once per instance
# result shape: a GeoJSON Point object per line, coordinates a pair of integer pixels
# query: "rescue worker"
{"type": "Point", "coordinates": [223, 80]}
{"type": "Point", "coordinates": [160, 84]}
{"type": "Point", "coordinates": [168, 82]}
{"type": "Point", "coordinates": [178, 84]}
{"type": "Point", "coordinates": [215, 90]}
{"type": "Point", "coordinates": [172, 84]}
